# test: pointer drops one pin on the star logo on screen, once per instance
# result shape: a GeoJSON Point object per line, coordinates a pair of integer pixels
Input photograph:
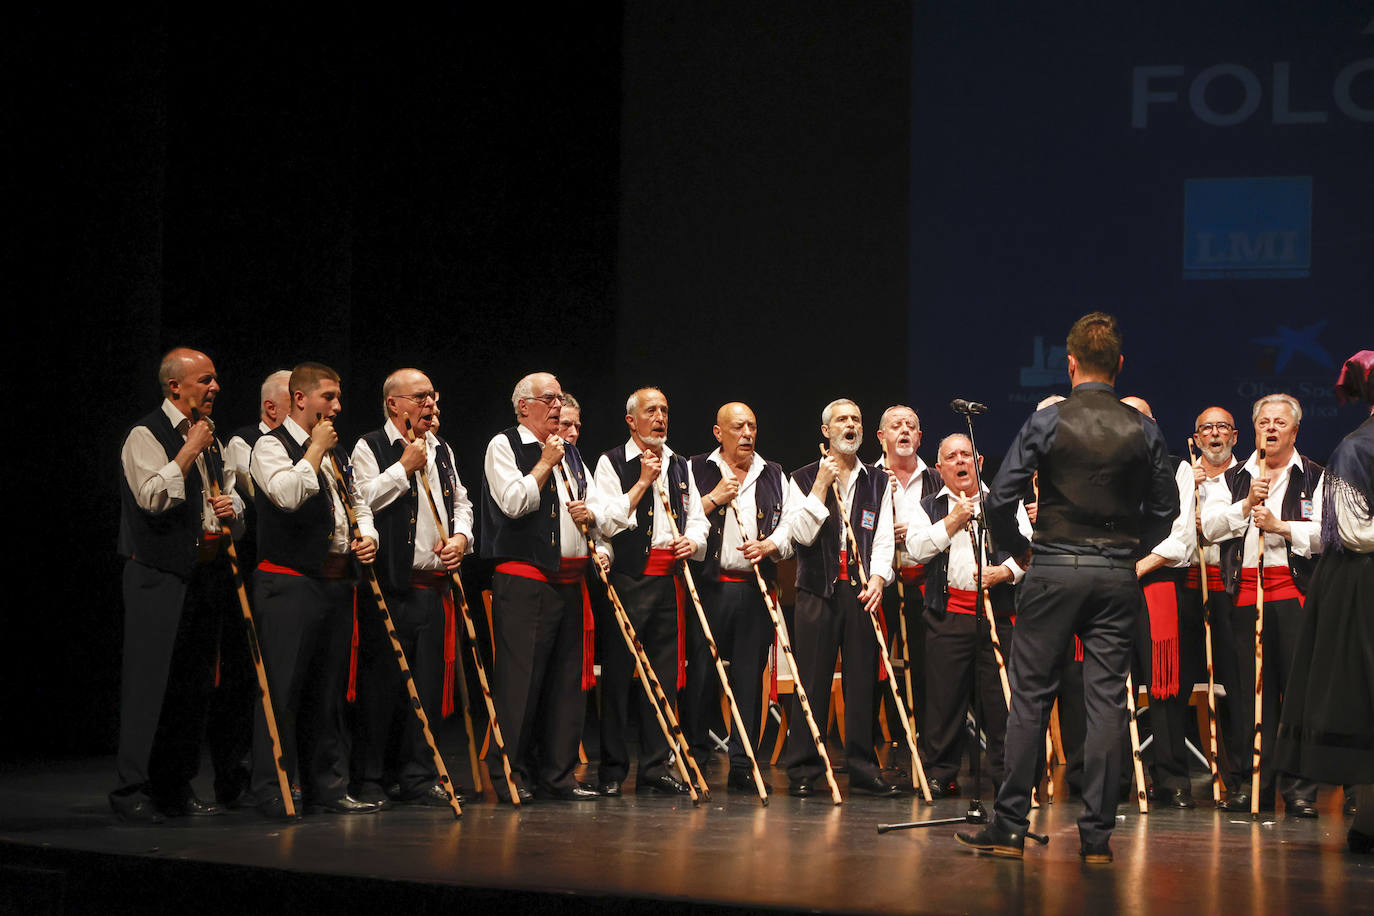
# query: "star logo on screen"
{"type": "Point", "coordinates": [1289, 343]}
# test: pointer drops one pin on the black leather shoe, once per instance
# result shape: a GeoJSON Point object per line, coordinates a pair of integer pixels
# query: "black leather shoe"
{"type": "Point", "coordinates": [503, 794]}
{"type": "Point", "coordinates": [1238, 802]}
{"type": "Point", "coordinates": [436, 796]}
{"type": "Point", "coordinates": [135, 809]}
{"type": "Point", "coordinates": [801, 788]}
{"type": "Point", "coordinates": [1177, 798]}
{"type": "Point", "coordinates": [191, 807]}
{"type": "Point", "coordinates": [994, 840]}
{"type": "Point", "coordinates": [1361, 843]}
{"type": "Point", "coordinates": [1097, 853]}
{"type": "Point", "coordinates": [344, 804]}
{"type": "Point", "coordinates": [743, 781]}
{"type": "Point", "coordinates": [609, 789]}
{"type": "Point", "coordinates": [1299, 807]}
{"type": "Point", "coordinates": [875, 786]}
{"type": "Point", "coordinates": [273, 808]}
{"type": "Point", "coordinates": [578, 792]}
{"type": "Point", "coordinates": [947, 789]}
{"type": "Point", "coordinates": [659, 785]}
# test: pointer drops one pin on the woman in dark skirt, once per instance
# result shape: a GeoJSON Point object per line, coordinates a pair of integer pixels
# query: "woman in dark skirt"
{"type": "Point", "coordinates": [1327, 728]}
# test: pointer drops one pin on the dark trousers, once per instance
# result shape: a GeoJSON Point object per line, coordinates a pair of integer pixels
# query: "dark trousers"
{"type": "Point", "coordinates": [229, 730]}
{"type": "Point", "coordinates": [1073, 718]}
{"type": "Point", "coordinates": [1283, 621]}
{"type": "Point", "coordinates": [1167, 718]}
{"type": "Point", "coordinates": [651, 603]}
{"type": "Point", "coordinates": [915, 653]}
{"type": "Point", "coordinates": [823, 627]}
{"type": "Point", "coordinates": [744, 633]}
{"type": "Point", "coordinates": [388, 743]}
{"type": "Point", "coordinates": [305, 627]}
{"type": "Point", "coordinates": [1054, 602]}
{"type": "Point", "coordinates": [537, 681]}
{"type": "Point", "coordinates": [170, 630]}
{"type": "Point", "coordinates": [958, 649]}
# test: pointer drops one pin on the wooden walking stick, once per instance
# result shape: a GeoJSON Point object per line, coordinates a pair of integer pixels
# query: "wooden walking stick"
{"type": "Point", "coordinates": [369, 573]}
{"type": "Point", "coordinates": [251, 631]}
{"type": "Point", "coordinates": [985, 598]}
{"type": "Point", "coordinates": [1207, 640]}
{"type": "Point", "coordinates": [882, 643]}
{"type": "Point", "coordinates": [1134, 729]}
{"type": "Point", "coordinates": [481, 670]}
{"type": "Point", "coordinates": [785, 643]}
{"type": "Point", "coordinates": [1049, 738]}
{"type": "Point", "coordinates": [715, 655]}
{"type": "Point", "coordinates": [901, 614]}
{"type": "Point", "coordinates": [658, 699]}
{"type": "Point", "coordinates": [1259, 656]}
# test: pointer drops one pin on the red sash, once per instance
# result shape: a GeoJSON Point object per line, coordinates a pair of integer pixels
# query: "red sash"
{"type": "Point", "coordinates": [962, 601]}
{"type": "Point", "coordinates": [1161, 600]}
{"type": "Point", "coordinates": [844, 564]}
{"type": "Point", "coordinates": [732, 577]}
{"type": "Point", "coordinates": [352, 694]}
{"type": "Point", "coordinates": [662, 563]}
{"type": "Point", "coordinates": [1194, 579]}
{"type": "Point", "coordinates": [914, 575]}
{"type": "Point", "coordinates": [1278, 586]}
{"type": "Point", "coordinates": [571, 571]}
{"type": "Point", "coordinates": [425, 578]}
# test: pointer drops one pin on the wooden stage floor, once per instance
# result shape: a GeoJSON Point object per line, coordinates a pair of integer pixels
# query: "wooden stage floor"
{"type": "Point", "coordinates": [61, 851]}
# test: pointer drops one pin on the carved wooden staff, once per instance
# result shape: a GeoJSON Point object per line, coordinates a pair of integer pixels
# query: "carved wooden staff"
{"type": "Point", "coordinates": [901, 614]}
{"type": "Point", "coordinates": [1134, 729]}
{"type": "Point", "coordinates": [471, 631]}
{"type": "Point", "coordinates": [1049, 738]}
{"type": "Point", "coordinates": [370, 574]}
{"type": "Point", "coordinates": [1259, 655]}
{"type": "Point", "coordinates": [1207, 639]}
{"type": "Point", "coordinates": [882, 643]}
{"type": "Point", "coordinates": [251, 631]}
{"type": "Point", "coordinates": [784, 643]}
{"type": "Point", "coordinates": [658, 699]}
{"type": "Point", "coordinates": [715, 654]}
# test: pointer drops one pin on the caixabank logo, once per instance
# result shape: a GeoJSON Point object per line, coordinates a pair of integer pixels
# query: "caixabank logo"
{"type": "Point", "coordinates": [1247, 228]}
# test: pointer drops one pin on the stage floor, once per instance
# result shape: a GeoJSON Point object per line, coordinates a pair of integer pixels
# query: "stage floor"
{"type": "Point", "coordinates": [57, 836]}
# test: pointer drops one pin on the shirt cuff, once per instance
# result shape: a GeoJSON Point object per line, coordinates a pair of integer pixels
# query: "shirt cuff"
{"type": "Point", "coordinates": [1017, 573]}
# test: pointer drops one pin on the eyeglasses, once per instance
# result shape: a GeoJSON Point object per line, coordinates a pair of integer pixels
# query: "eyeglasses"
{"type": "Point", "coordinates": [1222, 428]}
{"type": "Point", "coordinates": [420, 397]}
{"type": "Point", "coordinates": [548, 400]}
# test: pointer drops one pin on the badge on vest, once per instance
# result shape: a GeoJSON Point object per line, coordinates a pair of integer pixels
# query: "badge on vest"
{"type": "Point", "coordinates": [867, 519]}
{"type": "Point", "coordinates": [1306, 510]}
{"type": "Point", "coordinates": [685, 502]}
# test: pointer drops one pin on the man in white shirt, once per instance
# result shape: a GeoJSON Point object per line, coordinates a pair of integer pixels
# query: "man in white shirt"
{"type": "Point", "coordinates": [648, 545]}
{"type": "Point", "coordinates": [176, 587]}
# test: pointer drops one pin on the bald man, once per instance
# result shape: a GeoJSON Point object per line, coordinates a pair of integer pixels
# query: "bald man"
{"type": "Point", "coordinates": [742, 498]}
{"type": "Point", "coordinates": [176, 587]}
{"type": "Point", "coordinates": [648, 546]}
{"type": "Point", "coordinates": [540, 611]}
{"type": "Point", "coordinates": [395, 467]}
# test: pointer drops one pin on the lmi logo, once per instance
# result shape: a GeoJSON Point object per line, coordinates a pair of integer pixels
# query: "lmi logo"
{"type": "Point", "coordinates": [1247, 227]}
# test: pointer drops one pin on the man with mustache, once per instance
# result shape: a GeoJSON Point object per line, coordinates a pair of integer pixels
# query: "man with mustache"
{"type": "Point", "coordinates": [176, 586]}
{"type": "Point", "coordinates": [741, 538]}
{"type": "Point", "coordinates": [1269, 500]}
{"type": "Point", "coordinates": [648, 546]}
{"type": "Point", "coordinates": [392, 761]}
{"type": "Point", "coordinates": [899, 433]}
{"type": "Point", "coordinates": [957, 640]}
{"type": "Point", "coordinates": [832, 609]}
{"type": "Point", "coordinates": [540, 612]}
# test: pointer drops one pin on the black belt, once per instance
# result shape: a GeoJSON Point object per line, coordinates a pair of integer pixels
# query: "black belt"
{"type": "Point", "coordinates": [1068, 559]}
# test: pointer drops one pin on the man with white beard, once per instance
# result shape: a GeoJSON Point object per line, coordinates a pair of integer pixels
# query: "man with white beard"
{"type": "Point", "coordinates": [833, 607]}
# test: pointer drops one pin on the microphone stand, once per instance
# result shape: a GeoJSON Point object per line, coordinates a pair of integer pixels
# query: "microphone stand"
{"type": "Point", "coordinates": [976, 813]}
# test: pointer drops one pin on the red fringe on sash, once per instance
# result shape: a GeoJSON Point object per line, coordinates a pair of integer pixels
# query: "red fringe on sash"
{"type": "Point", "coordinates": [1161, 600]}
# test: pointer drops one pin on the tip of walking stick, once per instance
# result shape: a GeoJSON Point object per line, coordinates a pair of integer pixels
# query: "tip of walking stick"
{"type": "Point", "coordinates": [884, 828]}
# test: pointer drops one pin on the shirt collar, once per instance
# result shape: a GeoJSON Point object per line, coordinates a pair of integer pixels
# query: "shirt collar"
{"type": "Point", "coordinates": [264, 428]}
{"type": "Point", "coordinates": [1093, 386]}
{"type": "Point", "coordinates": [295, 430]}
{"type": "Point", "coordinates": [755, 465]}
{"type": "Point", "coordinates": [921, 466]}
{"type": "Point", "coordinates": [174, 415]}
{"type": "Point", "coordinates": [946, 491]}
{"type": "Point", "coordinates": [1252, 463]}
{"type": "Point", "coordinates": [633, 451]}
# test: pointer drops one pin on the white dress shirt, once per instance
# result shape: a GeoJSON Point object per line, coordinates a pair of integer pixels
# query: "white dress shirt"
{"type": "Point", "coordinates": [158, 484]}
{"type": "Point", "coordinates": [237, 454]}
{"type": "Point", "coordinates": [619, 517]}
{"type": "Point", "coordinates": [380, 488]}
{"type": "Point", "coordinates": [289, 485]}
{"type": "Point", "coordinates": [1223, 519]}
{"type": "Point", "coordinates": [746, 500]}
{"type": "Point", "coordinates": [516, 494]}
{"type": "Point", "coordinates": [805, 514]}
{"type": "Point", "coordinates": [1211, 551]}
{"type": "Point", "coordinates": [1177, 549]}
{"type": "Point", "coordinates": [906, 506]}
{"type": "Point", "coordinates": [962, 572]}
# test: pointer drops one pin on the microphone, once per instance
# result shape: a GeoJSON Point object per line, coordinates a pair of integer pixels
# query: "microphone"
{"type": "Point", "coordinates": [959, 405]}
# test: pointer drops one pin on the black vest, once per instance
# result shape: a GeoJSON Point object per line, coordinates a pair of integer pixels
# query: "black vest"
{"type": "Point", "coordinates": [1096, 477]}
{"type": "Point", "coordinates": [768, 497]}
{"type": "Point", "coordinates": [298, 540]}
{"type": "Point", "coordinates": [533, 537]}
{"type": "Point", "coordinates": [631, 546]}
{"type": "Point", "coordinates": [168, 540]}
{"type": "Point", "coordinates": [1301, 485]}
{"type": "Point", "coordinates": [937, 567]}
{"type": "Point", "coordinates": [396, 522]}
{"type": "Point", "coordinates": [818, 564]}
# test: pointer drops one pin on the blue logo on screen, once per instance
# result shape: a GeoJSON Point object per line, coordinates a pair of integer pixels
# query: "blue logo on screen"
{"type": "Point", "coordinates": [1247, 227]}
